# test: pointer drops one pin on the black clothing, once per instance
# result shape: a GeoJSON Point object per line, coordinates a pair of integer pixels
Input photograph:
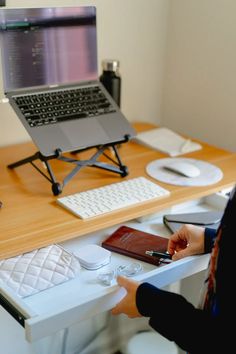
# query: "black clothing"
{"type": "Point", "coordinates": [192, 329]}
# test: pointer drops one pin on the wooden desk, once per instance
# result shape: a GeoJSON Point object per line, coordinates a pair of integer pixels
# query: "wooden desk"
{"type": "Point", "coordinates": [30, 217]}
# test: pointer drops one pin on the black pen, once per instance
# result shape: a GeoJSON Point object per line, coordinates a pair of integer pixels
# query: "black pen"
{"type": "Point", "coordinates": [159, 254]}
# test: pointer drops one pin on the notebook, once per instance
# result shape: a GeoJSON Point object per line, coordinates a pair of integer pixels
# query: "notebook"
{"type": "Point", "coordinates": [50, 75]}
{"type": "Point", "coordinates": [209, 219]}
{"type": "Point", "coordinates": [134, 243]}
{"type": "Point", "coordinates": [167, 141]}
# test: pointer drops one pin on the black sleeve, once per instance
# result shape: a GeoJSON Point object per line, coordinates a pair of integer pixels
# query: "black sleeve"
{"type": "Point", "coordinates": [171, 315]}
{"type": "Point", "coordinates": [210, 235]}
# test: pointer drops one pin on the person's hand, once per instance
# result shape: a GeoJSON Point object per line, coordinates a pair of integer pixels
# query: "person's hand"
{"type": "Point", "coordinates": [187, 241]}
{"type": "Point", "coordinates": [128, 304]}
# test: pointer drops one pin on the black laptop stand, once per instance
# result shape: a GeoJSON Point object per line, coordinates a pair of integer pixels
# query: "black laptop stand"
{"type": "Point", "coordinates": [116, 166]}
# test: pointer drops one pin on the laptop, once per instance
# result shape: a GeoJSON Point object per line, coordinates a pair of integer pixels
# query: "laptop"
{"type": "Point", "coordinates": [50, 75]}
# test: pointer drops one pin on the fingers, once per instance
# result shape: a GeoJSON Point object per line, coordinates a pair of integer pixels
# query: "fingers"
{"type": "Point", "coordinates": [171, 247]}
{"type": "Point", "coordinates": [127, 305]}
{"type": "Point", "coordinates": [178, 241]}
{"type": "Point", "coordinates": [176, 246]}
{"type": "Point", "coordinates": [122, 281]}
{"type": "Point", "coordinates": [125, 282]}
{"type": "Point", "coordinates": [117, 309]}
{"type": "Point", "coordinates": [181, 254]}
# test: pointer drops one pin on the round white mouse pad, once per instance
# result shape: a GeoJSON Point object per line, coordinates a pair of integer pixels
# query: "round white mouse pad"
{"type": "Point", "coordinates": [209, 174]}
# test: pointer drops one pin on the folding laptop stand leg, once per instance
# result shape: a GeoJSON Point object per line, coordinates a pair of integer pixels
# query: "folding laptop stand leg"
{"type": "Point", "coordinates": [29, 159]}
{"type": "Point", "coordinates": [37, 156]}
{"type": "Point", "coordinates": [116, 167]}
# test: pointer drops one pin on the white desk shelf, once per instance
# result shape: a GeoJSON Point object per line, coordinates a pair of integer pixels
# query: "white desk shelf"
{"type": "Point", "coordinates": [61, 306]}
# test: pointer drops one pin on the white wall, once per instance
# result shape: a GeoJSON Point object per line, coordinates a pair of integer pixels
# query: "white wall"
{"type": "Point", "coordinates": [132, 31]}
{"type": "Point", "coordinates": [200, 82]}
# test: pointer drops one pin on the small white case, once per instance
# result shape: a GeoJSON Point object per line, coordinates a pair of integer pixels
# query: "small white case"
{"type": "Point", "coordinates": [93, 256]}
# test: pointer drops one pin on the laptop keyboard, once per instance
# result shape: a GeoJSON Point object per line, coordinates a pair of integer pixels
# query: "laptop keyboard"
{"type": "Point", "coordinates": [58, 106]}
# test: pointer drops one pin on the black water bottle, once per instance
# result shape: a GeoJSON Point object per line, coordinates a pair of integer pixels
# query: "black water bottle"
{"type": "Point", "coordinates": [111, 79]}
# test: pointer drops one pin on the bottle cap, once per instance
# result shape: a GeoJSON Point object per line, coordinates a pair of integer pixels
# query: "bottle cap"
{"type": "Point", "coordinates": [110, 65]}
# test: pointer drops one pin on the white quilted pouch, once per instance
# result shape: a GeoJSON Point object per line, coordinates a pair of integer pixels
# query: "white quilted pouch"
{"type": "Point", "coordinates": [31, 272]}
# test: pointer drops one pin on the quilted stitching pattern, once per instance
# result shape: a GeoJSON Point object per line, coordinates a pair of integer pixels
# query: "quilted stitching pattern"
{"type": "Point", "coordinates": [31, 272]}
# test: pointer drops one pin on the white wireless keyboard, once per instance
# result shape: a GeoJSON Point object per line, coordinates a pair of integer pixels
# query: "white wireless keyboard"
{"type": "Point", "coordinates": [99, 201]}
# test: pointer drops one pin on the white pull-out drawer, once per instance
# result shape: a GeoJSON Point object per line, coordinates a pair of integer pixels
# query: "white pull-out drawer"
{"type": "Point", "coordinates": [59, 307]}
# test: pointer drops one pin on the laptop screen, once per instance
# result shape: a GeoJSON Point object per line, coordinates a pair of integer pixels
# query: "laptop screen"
{"type": "Point", "coordinates": [48, 46]}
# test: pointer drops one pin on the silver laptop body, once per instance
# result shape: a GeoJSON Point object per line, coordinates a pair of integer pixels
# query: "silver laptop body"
{"type": "Point", "coordinates": [49, 64]}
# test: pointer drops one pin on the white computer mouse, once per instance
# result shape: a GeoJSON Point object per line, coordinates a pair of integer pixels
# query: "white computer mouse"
{"type": "Point", "coordinates": [182, 168]}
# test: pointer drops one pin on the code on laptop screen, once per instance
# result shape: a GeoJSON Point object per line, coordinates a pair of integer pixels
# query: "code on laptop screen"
{"type": "Point", "coordinates": [48, 46]}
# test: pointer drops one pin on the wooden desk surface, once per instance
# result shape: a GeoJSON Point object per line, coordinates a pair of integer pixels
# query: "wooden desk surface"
{"type": "Point", "coordinates": [30, 217]}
